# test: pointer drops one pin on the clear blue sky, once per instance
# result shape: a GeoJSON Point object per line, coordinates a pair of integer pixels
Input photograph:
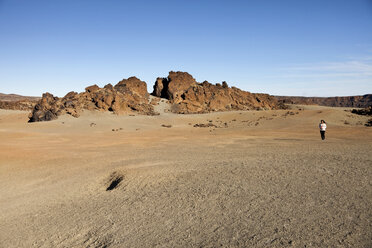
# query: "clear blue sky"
{"type": "Point", "coordinates": [310, 48]}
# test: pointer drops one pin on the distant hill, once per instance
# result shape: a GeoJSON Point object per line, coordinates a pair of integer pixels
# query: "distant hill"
{"type": "Point", "coordinates": [17, 102]}
{"type": "Point", "coordinates": [14, 97]}
{"type": "Point", "coordinates": [338, 101]}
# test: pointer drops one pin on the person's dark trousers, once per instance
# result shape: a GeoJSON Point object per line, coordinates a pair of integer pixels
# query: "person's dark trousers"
{"type": "Point", "coordinates": [322, 134]}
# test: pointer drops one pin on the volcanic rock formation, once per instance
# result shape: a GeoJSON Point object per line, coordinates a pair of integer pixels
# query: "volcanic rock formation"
{"type": "Point", "coordinates": [129, 95]}
{"type": "Point", "coordinates": [188, 96]}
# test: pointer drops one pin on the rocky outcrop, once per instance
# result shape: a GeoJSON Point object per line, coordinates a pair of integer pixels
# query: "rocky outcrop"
{"type": "Point", "coordinates": [174, 86]}
{"type": "Point", "coordinates": [339, 101]}
{"type": "Point", "coordinates": [365, 111]}
{"type": "Point", "coordinates": [129, 95]}
{"type": "Point", "coordinates": [188, 96]}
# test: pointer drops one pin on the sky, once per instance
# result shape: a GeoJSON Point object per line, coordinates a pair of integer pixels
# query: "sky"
{"type": "Point", "coordinates": [299, 48]}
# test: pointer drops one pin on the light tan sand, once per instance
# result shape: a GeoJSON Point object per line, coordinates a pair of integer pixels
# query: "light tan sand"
{"type": "Point", "coordinates": [271, 184]}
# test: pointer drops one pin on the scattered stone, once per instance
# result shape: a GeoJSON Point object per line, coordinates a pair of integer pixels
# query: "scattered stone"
{"type": "Point", "coordinates": [289, 113]}
{"type": "Point", "coordinates": [92, 124]}
{"type": "Point", "coordinates": [205, 125]}
{"type": "Point", "coordinates": [155, 101]}
{"type": "Point", "coordinates": [167, 126]}
{"type": "Point", "coordinates": [369, 123]}
{"type": "Point", "coordinates": [365, 111]}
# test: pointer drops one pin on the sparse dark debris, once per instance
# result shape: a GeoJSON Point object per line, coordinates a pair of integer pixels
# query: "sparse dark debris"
{"type": "Point", "coordinates": [365, 111]}
{"type": "Point", "coordinates": [114, 181]}
{"type": "Point", "coordinates": [369, 123]}
{"type": "Point", "coordinates": [167, 126]}
{"type": "Point", "coordinates": [205, 125]}
{"type": "Point", "coordinates": [116, 129]}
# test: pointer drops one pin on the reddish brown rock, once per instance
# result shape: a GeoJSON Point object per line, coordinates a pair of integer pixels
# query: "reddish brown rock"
{"type": "Point", "coordinates": [129, 95]}
{"type": "Point", "coordinates": [187, 96]}
{"type": "Point", "coordinates": [47, 109]}
{"type": "Point", "coordinates": [173, 86]}
{"type": "Point", "coordinates": [133, 86]}
{"type": "Point", "coordinates": [92, 88]}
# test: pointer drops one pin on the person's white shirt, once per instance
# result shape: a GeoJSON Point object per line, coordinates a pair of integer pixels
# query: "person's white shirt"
{"type": "Point", "coordinates": [322, 126]}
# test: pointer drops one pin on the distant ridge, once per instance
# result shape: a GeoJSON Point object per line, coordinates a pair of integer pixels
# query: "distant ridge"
{"type": "Point", "coordinates": [17, 102]}
{"type": "Point", "coordinates": [363, 101]}
{"type": "Point", "coordinates": [15, 97]}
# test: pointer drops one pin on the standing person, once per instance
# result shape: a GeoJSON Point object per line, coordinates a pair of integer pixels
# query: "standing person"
{"type": "Point", "coordinates": [322, 127]}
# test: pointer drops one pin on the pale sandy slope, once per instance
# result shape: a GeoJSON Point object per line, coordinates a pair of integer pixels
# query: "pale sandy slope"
{"type": "Point", "coordinates": [274, 184]}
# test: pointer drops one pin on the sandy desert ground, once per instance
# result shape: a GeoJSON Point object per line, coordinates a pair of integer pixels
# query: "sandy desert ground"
{"type": "Point", "coordinates": [263, 179]}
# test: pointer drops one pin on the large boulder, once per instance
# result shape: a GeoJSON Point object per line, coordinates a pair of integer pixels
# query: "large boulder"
{"type": "Point", "coordinates": [47, 109]}
{"type": "Point", "coordinates": [133, 86]}
{"type": "Point", "coordinates": [174, 86]}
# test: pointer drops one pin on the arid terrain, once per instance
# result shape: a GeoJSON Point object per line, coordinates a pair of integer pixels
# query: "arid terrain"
{"type": "Point", "coordinates": [238, 179]}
